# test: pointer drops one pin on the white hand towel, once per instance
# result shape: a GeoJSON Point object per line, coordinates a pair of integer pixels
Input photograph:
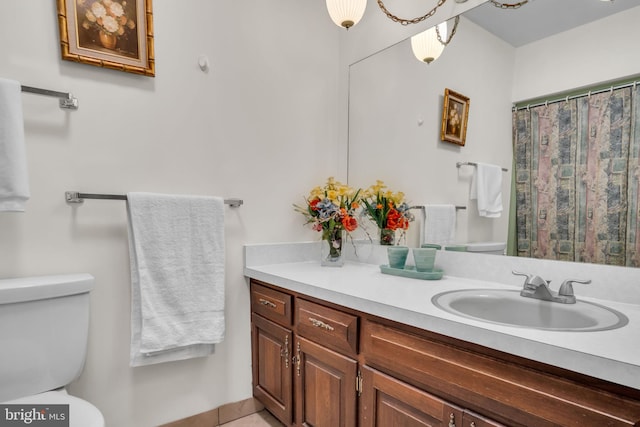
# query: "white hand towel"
{"type": "Point", "coordinates": [14, 182]}
{"type": "Point", "coordinates": [439, 224]}
{"type": "Point", "coordinates": [176, 248]}
{"type": "Point", "coordinates": [486, 187]}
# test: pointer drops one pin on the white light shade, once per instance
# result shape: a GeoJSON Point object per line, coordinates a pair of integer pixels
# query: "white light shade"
{"type": "Point", "coordinates": [426, 46]}
{"type": "Point", "coordinates": [346, 13]}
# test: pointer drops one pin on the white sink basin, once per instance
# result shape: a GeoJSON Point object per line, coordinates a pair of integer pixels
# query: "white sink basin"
{"type": "Point", "coordinates": [507, 307]}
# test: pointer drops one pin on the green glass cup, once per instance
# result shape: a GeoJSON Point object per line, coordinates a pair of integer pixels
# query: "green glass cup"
{"type": "Point", "coordinates": [397, 256]}
{"type": "Point", "coordinates": [424, 258]}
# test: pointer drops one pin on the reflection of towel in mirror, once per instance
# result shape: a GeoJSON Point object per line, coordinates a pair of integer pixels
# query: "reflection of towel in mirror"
{"type": "Point", "coordinates": [486, 187]}
{"type": "Point", "coordinates": [176, 246]}
{"type": "Point", "coordinates": [14, 182]}
{"type": "Point", "coordinates": [439, 224]}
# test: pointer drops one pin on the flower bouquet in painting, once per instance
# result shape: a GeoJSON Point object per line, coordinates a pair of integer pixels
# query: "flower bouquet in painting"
{"type": "Point", "coordinates": [107, 21]}
{"type": "Point", "coordinates": [388, 210]}
{"type": "Point", "coordinates": [331, 211]}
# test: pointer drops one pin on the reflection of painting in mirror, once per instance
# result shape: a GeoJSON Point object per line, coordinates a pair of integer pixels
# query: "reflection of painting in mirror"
{"type": "Point", "coordinates": [455, 113]}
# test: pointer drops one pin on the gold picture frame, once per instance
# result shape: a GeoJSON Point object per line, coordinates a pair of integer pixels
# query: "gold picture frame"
{"type": "Point", "coordinates": [116, 34]}
{"type": "Point", "coordinates": [455, 113]}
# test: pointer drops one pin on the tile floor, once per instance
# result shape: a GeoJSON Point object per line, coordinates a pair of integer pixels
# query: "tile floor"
{"type": "Point", "coordinates": [259, 419]}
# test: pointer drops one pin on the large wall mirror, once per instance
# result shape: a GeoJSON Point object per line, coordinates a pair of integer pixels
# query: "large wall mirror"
{"type": "Point", "coordinates": [395, 101]}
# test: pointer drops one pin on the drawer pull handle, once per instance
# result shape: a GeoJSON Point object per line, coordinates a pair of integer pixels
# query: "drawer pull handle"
{"type": "Point", "coordinates": [267, 303]}
{"type": "Point", "coordinates": [473, 424]}
{"type": "Point", "coordinates": [298, 359]}
{"type": "Point", "coordinates": [320, 324]}
{"type": "Point", "coordinates": [452, 420]}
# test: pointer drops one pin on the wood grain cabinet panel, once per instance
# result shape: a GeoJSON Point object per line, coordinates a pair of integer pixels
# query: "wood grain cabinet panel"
{"type": "Point", "coordinates": [271, 304]}
{"type": "Point", "coordinates": [325, 386]}
{"type": "Point", "coordinates": [388, 402]}
{"type": "Point", "coordinates": [331, 328]}
{"type": "Point", "coordinates": [272, 368]}
{"type": "Point", "coordinates": [504, 391]}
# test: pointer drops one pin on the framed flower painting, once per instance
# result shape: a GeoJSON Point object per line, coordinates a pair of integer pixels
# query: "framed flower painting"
{"type": "Point", "coordinates": [116, 34]}
{"type": "Point", "coordinates": [455, 113]}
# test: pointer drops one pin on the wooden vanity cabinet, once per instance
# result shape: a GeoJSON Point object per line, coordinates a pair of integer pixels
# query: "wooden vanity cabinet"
{"type": "Point", "coordinates": [322, 365]}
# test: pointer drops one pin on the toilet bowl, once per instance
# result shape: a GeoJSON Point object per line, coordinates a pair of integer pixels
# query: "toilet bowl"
{"type": "Point", "coordinates": [44, 326]}
{"type": "Point", "coordinates": [492, 248]}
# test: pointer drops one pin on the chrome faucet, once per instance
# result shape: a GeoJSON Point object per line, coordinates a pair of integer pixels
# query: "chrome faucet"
{"type": "Point", "coordinates": [538, 288]}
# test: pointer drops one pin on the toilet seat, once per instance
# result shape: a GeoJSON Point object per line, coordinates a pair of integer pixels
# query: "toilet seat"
{"type": "Point", "coordinates": [81, 412]}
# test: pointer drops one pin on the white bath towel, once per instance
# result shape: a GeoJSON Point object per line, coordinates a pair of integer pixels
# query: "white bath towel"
{"type": "Point", "coordinates": [439, 224]}
{"type": "Point", "coordinates": [176, 248]}
{"type": "Point", "coordinates": [486, 187]}
{"type": "Point", "coordinates": [14, 182]}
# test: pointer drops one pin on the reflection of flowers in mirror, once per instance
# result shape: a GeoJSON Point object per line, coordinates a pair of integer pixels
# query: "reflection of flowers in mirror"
{"type": "Point", "coordinates": [106, 15]}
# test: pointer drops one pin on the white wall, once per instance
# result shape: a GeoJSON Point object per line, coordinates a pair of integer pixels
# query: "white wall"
{"type": "Point", "coordinates": [260, 125]}
{"type": "Point", "coordinates": [395, 120]}
{"type": "Point", "coordinates": [594, 53]}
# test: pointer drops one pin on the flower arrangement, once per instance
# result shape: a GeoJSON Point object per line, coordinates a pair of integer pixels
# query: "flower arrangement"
{"type": "Point", "coordinates": [331, 210]}
{"type": "Point", "coordinates": [388, 210]}
{"type": "Point", "coordinates": [108, 16]}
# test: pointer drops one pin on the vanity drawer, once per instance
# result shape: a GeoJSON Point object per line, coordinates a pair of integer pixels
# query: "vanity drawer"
{"type": "Point", "coordinates": [327, 326]}
{"type": "Point", "coordinates": [272, 304]}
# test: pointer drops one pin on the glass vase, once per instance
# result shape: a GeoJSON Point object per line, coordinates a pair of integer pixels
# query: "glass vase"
{"type": "Point", "coordinates": [331, 248]}
{"type": "Point", "coordinates": [387, 237]}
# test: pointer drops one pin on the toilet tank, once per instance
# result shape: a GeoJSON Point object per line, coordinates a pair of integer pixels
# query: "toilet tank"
{"type": "Point", "coordinates": [44, 325]}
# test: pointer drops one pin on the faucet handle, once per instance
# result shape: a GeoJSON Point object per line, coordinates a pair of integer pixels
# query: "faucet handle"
{"type": "Point", "coordinates": [532, 281]}
{"type": "Point", "coordinates": [566, 289]}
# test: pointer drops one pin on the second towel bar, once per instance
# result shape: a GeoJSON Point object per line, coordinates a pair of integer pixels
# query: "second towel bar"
{"type": "Point", "coordinates": [458, 164]}
{"type": "Point", "coordinates": [77, 197]}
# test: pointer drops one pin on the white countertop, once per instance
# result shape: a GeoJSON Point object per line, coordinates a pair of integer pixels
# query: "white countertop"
{"type": "Point", "coordinates": [612, 355]}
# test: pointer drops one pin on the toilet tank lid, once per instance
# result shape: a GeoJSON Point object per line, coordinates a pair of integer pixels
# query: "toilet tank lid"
{"type": "Point", "coordinates": [485, 246]}
{"type": "Point", "coordinates": [44, 287]}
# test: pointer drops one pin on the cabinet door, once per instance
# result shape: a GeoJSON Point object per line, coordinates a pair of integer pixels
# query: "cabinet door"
{"type": "Point", "coordinates": [325, 386]}
{"type": "Point", "coordinates": [388, 402]}
{"type": "Point", "coordinates": [272, 368]}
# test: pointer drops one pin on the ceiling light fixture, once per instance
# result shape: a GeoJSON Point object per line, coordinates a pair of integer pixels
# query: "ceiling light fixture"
{"type": "Point", "coordinates": [428, 45]}
{"type": "Point", "coordinates": [346, 13]}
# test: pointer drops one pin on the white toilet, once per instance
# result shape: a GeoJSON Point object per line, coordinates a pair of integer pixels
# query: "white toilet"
{"type": "Point", "coordinates": [491, 248]}
{"type": "Point", "coordinates": [44, 326]}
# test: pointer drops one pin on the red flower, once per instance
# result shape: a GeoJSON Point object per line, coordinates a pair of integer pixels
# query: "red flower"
{"type": "Point", "coordinates": [313, 203]}
{"type": "Point", "coordinates": [394, 219]}
{"type": "Point", "coordinates": [349, 223]}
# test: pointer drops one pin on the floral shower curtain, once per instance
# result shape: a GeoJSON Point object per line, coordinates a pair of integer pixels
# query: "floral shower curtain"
{"type": "Point", "coordinates": [577, 164]}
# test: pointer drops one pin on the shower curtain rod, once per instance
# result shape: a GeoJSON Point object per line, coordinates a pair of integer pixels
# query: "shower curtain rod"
{"type": "Point", "coordinates": [76, 197]}
{"type": "Point", "coordinates": [580, 95]}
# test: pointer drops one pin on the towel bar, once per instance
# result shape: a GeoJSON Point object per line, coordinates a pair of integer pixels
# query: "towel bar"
{"type": "Point", "coordinates": [458, 164]}
{"type": "Point", "coordinates": [76, 197]}
{"type": "Point", "coordinates": [458, 208]}
{"type": "Point", "coordinates": [66, 100]}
